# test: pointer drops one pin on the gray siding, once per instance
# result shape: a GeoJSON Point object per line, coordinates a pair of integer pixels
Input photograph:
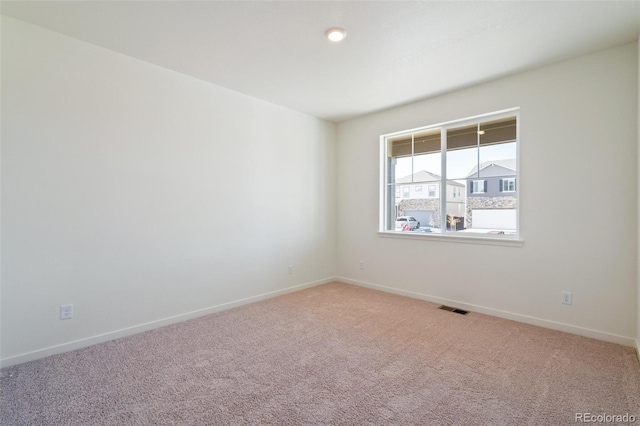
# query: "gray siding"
{"type": "Point", "coordinates": [493, 175]}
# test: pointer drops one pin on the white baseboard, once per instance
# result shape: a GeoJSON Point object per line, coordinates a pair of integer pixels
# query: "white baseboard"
{"type": "Point", "coordinates": [638, 349]}
{"type": "Point", "coordinates": [600, 335]}
{"type": "Point", "coordinates": [112, 335]}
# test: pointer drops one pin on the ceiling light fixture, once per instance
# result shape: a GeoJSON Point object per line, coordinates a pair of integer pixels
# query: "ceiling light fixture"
{"type": "Point", "coordinates": [335, 34]}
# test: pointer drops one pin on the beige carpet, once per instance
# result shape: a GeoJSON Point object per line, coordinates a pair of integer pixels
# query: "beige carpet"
{"type": "Point", "coordinates": [333, 354]}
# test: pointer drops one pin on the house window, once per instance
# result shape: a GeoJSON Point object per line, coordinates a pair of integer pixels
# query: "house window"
{"type": "Point", "coordinates": [405, 192]}
{"type": "Point", "coordinates": [397, 192]}
{"type": "Point", "coordinates": [478, 187]}
{"type": "Point", "coordinates": [418, 188]}
{"type": "Point", "coordinates": [478, 153]}
{"type": "Point", "coordinates": [508, 185]}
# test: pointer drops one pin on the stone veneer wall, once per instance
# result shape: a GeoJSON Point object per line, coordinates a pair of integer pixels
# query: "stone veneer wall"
{"type": "Point", "coordinates": [493, 203]}
{"type": "Point", "coordinates": [422, 204]}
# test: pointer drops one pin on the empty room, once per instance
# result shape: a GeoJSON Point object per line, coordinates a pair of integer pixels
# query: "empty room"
{"type": "Point", "coordinates": [319, 212]}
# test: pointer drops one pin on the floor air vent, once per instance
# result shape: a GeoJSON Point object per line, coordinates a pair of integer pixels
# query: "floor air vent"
{"type": "Point", "coordinates": [456, 310]}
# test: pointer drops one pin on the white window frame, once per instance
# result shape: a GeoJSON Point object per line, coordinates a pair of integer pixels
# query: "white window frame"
{"type": "Point", "coordinates": [477, 186]}
{"type": "Point", "coordinates": [510, 180]}
{"type": "Point", "coordinates": [418, 188]}
{"type": "Point", "coordinates": [435, 191]}
{"type": "Point", "coordinates": [406, 192]}
{"type": "Point", "coordinates": [445, 235]}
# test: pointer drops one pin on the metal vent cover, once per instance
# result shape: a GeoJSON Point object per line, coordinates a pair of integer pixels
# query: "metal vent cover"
{"type": "Point", "coordinates": [455, 310]}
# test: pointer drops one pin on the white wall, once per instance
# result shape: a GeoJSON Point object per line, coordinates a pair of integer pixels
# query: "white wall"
{"type": "Point", "coordinates": [125, 186]}
{"type": "Point", "coordinates": [578, 127]}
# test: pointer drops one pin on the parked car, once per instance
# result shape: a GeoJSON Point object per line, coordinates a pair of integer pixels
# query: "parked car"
{"type": "Point", "coordinates": [403, 221]}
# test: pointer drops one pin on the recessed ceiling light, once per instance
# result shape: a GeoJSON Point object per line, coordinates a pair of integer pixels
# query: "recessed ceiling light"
{"type": "Point", "coordinates": [335, 34]}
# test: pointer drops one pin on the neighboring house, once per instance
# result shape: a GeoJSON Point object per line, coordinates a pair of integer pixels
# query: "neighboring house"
{"type": "Point", "coordinates": [418, 195]}
{"type": "Point", "coordinates": [492, 196]}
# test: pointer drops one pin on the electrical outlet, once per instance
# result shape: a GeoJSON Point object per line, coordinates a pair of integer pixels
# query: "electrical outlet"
{"type": "Point", "coordinates": [566, 297]}
{"type": "Point", "coordinates": [290, 269]}
{"type": "Point", "coordinates": [66, 312]}
{"type": "Point", "coordinates": [362, 264]}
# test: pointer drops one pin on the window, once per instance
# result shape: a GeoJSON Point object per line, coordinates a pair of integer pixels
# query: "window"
{"type": "Point", "coordinates": [508, 185]}
{"type": "Point", "coordinates": [418, 188]}
{"type": "Point", "coordinates": [478, 187]}
{"type": "Point", "coordinates": [405, 192]}
{"type": "Point", "coordinates": [397, 192]}
{"type": "Point", "coordinates": [474, 163]}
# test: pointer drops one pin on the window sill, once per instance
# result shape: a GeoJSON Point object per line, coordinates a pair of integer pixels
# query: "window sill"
{"type": "Point", "coordinates": [455, 238]}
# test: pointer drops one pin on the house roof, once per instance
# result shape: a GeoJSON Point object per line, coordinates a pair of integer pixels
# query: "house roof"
{"type": "Point", "coordinates": [425, 176]}
{"type": "Point", "coordinates": [509, 164]}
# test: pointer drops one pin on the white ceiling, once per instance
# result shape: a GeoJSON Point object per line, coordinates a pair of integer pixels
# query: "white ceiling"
{"type": "Point", "coordinates": [395, 51]}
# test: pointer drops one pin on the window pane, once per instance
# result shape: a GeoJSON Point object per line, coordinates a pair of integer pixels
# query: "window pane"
{"type": "Point", "coordinates": [462, 157]}
{"type": "Point", "coordinates": [415, 162]}
{"type": "Point", "coordinates": [396, 166]}
{"type": "Point", "coordinates": [494, 209]}
{"type": "Point", "coordinates": [422, 205]}
{"type": "Point", "coordinates": [482, 157]}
